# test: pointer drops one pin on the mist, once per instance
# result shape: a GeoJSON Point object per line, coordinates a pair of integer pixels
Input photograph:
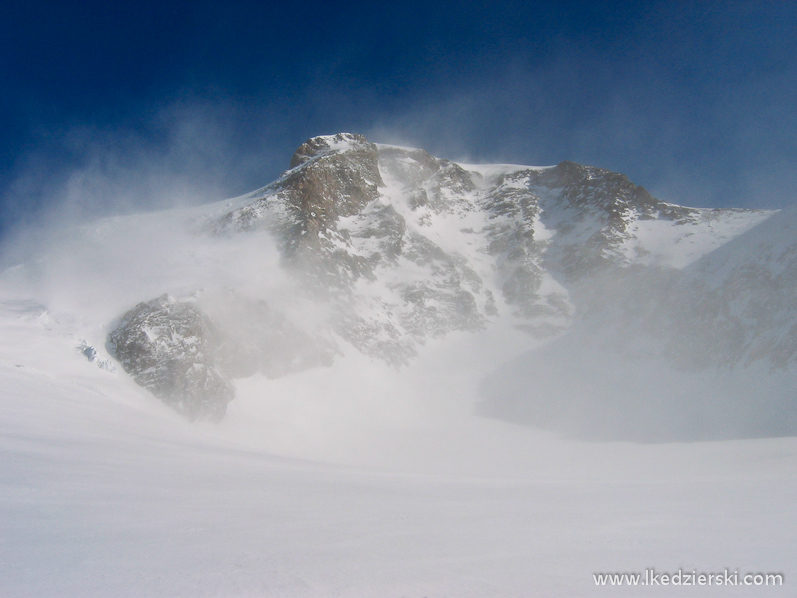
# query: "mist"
{"type": "Point", "coordinates": [618, 382]}
{"type": "Point", "coordinates": [614, 375]}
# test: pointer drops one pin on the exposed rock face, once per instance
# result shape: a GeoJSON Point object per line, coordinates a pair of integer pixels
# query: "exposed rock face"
{"type": "Point", "coordinates": [169, 348]}
{"type": "Point", "coordinates": [331, 177]}
{"type": "Point", "coordinates": [405, 246]}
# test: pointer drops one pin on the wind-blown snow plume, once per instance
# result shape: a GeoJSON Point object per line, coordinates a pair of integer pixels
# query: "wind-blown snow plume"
{"type": "Point", "coordinates": [381, 249]}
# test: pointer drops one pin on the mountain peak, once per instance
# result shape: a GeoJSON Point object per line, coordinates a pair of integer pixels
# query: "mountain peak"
{"type": "Point", "coordinates": [325, 144]}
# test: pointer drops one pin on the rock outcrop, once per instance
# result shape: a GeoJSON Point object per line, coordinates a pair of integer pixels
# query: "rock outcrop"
{"type": "Point", "coordinates": [169, 348]}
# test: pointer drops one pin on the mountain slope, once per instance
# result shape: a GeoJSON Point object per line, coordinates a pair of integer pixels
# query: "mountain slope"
{"type": "Point", "coordinates": [744, 296]}
{"type": "Point", "coordinates": [363, 342]}
{"type": "Point", "coordinates": [379, 250]}
{"type": "Point", "coordinates": [412, 246]}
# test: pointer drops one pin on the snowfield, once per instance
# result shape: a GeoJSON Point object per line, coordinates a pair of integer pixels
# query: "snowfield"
{"type": "Point", "coordinates": [106, 492]}
{"type": "Point", "coordinates": [367, 478]}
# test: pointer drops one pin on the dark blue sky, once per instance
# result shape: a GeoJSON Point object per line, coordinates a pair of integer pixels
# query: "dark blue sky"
{"type": "Point", "coordinates": [118, 106]}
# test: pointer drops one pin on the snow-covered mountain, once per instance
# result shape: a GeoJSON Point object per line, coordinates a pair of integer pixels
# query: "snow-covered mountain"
{"type": "Point", "coordinates": [345, 330]}
{"type": "Point", "coordinates": [405, 246]}
{"type": "Point", "coordinates": [383, 248]}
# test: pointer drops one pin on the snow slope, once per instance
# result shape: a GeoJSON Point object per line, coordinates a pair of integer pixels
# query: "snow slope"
{"type": "Point", "coordinates": [105, 492]}
{"type": "Point", "coordinates": [363, 479]}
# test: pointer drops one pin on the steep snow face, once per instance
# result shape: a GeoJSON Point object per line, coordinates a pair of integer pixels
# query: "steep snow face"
{"type": "Point", "coordinates": [741, 300]}
{"type": "Point", "coordinates": [771, 245]}
{"type": "Point", "coordinates": [678, 243]}
{"type": "Point", "coordinates": [602, 220]}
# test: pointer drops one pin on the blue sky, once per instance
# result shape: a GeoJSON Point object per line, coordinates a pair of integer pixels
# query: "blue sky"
{"type": "Point", "coordinates": [108, 107]}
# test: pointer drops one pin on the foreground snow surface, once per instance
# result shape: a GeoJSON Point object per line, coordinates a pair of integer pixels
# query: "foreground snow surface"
{"type": "Point", "coordinates": [355, 490]}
